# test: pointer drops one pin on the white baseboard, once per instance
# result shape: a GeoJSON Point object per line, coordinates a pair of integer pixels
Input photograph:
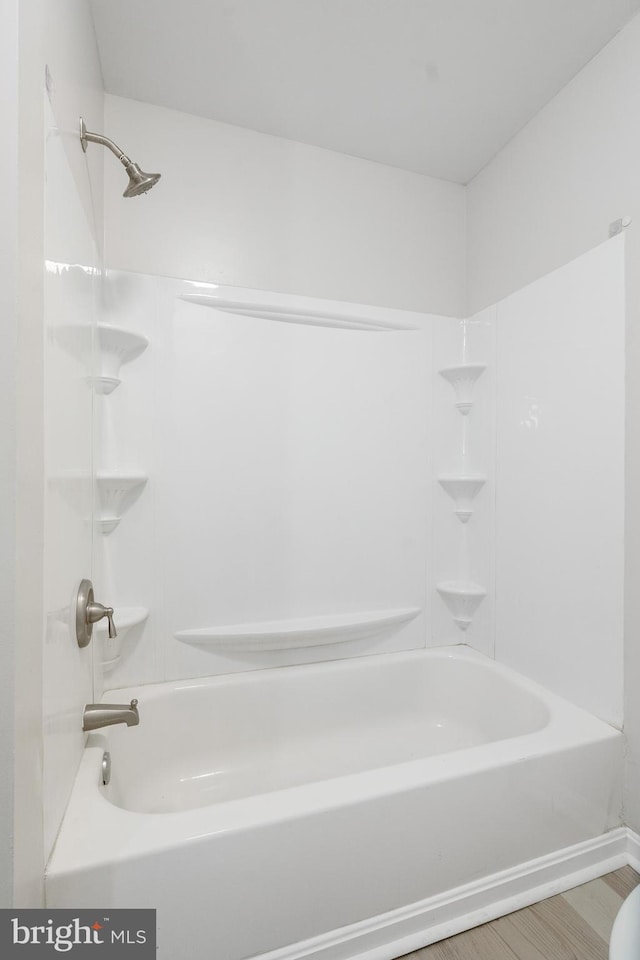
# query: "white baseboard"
{"type": "Point", "coordinates": [409, 928]}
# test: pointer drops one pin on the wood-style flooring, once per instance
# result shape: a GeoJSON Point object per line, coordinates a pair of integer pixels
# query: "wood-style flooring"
{"type": "Point", "coordinates": [575, 925]}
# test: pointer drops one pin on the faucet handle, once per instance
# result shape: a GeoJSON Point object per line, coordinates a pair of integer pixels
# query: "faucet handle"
{"type": "Point", "coordinates": [96, 611]}
{"type": "Point", "coordinates": [88, 612]}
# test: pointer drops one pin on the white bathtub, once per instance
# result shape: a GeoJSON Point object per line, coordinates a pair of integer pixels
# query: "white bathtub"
{"type": "Point", "coordinates": [301, 811]}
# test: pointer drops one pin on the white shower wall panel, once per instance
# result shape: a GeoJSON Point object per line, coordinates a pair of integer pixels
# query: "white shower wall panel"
{"type": "Point", "coordinates": [289, 475]}
{"type": "Point", "coordinates": [560, 480]}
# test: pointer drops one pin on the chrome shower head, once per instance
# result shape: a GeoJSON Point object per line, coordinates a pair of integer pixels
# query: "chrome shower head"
{"type": "Point", "coordinates": [139, 181]}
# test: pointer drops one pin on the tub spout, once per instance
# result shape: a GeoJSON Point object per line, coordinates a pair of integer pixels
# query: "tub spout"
{"type": "Point", "coordinates": [98, 715]}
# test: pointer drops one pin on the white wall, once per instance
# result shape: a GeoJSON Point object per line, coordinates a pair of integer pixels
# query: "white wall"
{"type": "Point", "coordinates": [76, 90]}
{"type": "Point", "coordinates": [72, 242]}
{"type": "Point", "coordinates": [28, 843]}
{"type": "Point", "coordinates": [245, 209]}
{"type": "Point", "coordinates": [31, 35]}
{"type": "Point", "coordinates": [8, 491]}
{"type": "Point", "coordinates": [551, 193]}
{"type": "Point", "coordinates": [547, 197]}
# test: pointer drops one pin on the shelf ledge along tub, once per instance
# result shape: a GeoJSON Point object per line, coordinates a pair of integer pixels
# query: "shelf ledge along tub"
{"type": "Point", "coordinates": [322, 810]}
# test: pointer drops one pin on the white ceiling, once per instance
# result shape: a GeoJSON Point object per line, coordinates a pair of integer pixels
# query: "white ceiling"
{"type": "Point", "coordinates": [434, 86]}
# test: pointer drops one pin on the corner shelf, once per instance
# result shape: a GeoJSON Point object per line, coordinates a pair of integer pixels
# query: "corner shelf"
{"type": "Point", "coordinates": [462, 599]}
{"type": "Point", "coordinates": [117, 346]}
{"type": "Point", "coordinates": [462, 490]}
{"type": "Point", "coordinates": [302, 632]}
{"type": "Point", "coordinates": [117, 492]}
{"type": "Point", "coordinates": [126, 618]}
{"type": "Point", "coordinates": [463, 380]}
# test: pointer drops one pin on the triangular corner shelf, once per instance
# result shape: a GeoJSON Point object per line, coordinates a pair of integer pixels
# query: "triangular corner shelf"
{"type": "Point", "coordinates": [462, 489]}
{"type": "Point", "coordinates": [463, 380]}
{"type": "Point", "coordinates": [462, 599]}
{"type": "Point", "coordinates": [116, 493]}
{"type": "Point", "coordinates": [116, 346]}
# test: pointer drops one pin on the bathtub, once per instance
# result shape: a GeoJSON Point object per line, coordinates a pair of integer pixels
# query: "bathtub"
{"type": "Point", "coordinates": [323, 810]}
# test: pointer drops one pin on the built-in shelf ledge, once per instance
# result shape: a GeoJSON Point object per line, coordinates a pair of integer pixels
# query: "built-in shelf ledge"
{"type": "Point", "coordinates": [303, 632]}
{"type": "Point", "coordinates": [126, 618]}
{"type": "Point", "coordinates": [282, 314]}
{"type": "Point", "coordinates": [117, 492]}
{"type": "Point", "coordinates": [462, 599]}
{"type": "Point", "coordinates": [463, 380]}
{"type": "Point", "coordinates": [462, 490]}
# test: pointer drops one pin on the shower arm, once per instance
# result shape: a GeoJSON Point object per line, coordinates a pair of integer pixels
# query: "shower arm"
{"type": "Point", "coordinates": [139, 181]}
{"type": "Point", "coordinates": [86, 138]}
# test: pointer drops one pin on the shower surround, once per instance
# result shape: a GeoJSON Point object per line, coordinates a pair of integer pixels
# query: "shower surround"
{"type": "Point", "coordinates": [305, 481]}
{"type": "Point", "coordinates": [285, 459]}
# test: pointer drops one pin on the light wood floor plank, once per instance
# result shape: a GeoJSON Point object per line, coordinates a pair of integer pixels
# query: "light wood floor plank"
{"type": "Point", "coordinates": [481, 943]}
{"type": "Point", "coordinates": [484, 943]}
{"type": "Point", "coordinates": [437, 951]}
{"type": "Point", "coordinates": [570, 929]}
{"type": "Point", "coordinates": [532, 939]}
{"type": "Point", "coordinates": [444, 950]}
{"type": "Point", "coordinates": [623, 881]}
{"type": "Point", "coordinates": [570, 926]}
{"type": "Point", "coordinates": [597, 903]}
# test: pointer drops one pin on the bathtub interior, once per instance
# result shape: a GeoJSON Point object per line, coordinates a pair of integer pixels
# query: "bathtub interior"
{"type": "Point", "coordinates": [213, 741]}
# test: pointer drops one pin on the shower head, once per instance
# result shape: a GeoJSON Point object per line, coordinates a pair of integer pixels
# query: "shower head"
{"type": "Point", "coordinates": [139, 181]}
